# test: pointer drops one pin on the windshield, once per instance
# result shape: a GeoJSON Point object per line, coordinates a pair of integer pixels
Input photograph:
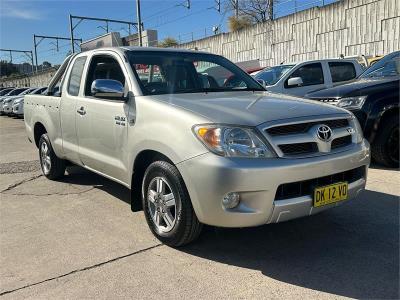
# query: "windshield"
{"type": "Point", "coordinates": [179, 72]}
{"type": "Point", "coordinates": [4, 92]}
{"type": "Point", "coordinates": [272, 75]}
{"type": "Point", "coordinates": [16, 92]}
{"type": "Point", "coordinates": [387, 66]}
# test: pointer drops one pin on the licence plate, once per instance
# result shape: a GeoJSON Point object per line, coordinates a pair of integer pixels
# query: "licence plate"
{"type": "Point", "coordinates": [330, 194]}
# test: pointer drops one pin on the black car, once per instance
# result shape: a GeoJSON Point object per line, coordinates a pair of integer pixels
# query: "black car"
{"type": "Point", "coordinates": [374, 100]}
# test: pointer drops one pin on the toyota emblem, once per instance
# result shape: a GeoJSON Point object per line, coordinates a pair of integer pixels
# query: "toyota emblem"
{"type": "Point", "coordinates": [324, 133]}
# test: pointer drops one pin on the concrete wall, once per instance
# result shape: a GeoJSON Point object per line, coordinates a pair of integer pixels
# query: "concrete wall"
{"type": "Point", "coordinates": [348, 27]}
{"type": "Point", "coordinates": [37, 80]}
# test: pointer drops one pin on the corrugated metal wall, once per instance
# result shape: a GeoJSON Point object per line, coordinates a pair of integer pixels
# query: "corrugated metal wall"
{"type": "Point", "coordinates": [348, 27]}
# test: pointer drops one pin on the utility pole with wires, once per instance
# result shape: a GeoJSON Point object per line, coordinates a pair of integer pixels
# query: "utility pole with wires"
{"type": "Point", "coordinates": [236, 5]}
{"type": "Point", "coordinates": [37, 39]}
{"type": "Point", "coordinates": [139, 21]}
{"type": "Point", "coordinates": [28, 54]}
{"type": "Point", "coordinates": [73, 26]}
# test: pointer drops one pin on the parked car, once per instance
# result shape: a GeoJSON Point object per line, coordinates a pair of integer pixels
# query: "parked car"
{"type": "Point", "coordinates": [374, 99]}
{"type": "Point", "coordinates": [298, 79]}
{"type": "Point", "coordinates": [17, 105]}
{"type": "Point", "coordinates": [9, 96]}
{"type": "Point", "coordinates": [192, 153]}
{"type": "Point", "coordinates": [8, 103]}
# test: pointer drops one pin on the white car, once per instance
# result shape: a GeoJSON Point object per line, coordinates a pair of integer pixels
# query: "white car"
{"type": "Point", "coordinates": [298, 79]}
{"type": "Point", "coordinates": [10, 96]}
{"type": "Point", "coordinates": [18, 108]}
{"type": "Point", "coordinates": [8, 103]}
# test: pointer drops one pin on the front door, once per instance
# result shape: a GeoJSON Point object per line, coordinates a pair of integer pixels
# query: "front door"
{"type": "Point", "coordinates": [102, 124]}
{"type": "Point", "coordinates": [312, 75]}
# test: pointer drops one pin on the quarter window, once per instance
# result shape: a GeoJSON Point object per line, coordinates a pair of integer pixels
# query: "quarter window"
{"type": "Point", "coordinates": [76, 75]}
{"type": "Point", "coordinates": [342, 71]}
{"type": "Point", "coordinates": [311, 74]}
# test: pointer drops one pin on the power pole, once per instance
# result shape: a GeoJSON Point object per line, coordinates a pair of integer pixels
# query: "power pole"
{"type": "Point", "coordinates": [271, 9]}
{"type": "Point", "coordinates": [41, 38]}
{"type": "Point", "coordinates": [236, 8]}
{"type": "Point", "coordinates": [139, 22]}
{"type": "Point", "coordinates": [80, 19]}
{"type": "Point", "coordinates": [26, 52]}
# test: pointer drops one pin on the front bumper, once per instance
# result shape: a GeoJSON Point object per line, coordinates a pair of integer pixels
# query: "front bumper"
{"type": "Point", "coordinates": [209, 177]}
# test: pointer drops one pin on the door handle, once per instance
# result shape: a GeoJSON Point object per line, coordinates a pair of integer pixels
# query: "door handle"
{"type": "Point", "coordinates": [81, 111]}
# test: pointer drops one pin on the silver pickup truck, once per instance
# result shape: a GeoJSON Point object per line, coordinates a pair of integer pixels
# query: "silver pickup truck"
{"type": "Point", "coordinates": [196, 139]}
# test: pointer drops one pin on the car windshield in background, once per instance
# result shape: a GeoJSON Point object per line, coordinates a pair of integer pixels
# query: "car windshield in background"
{"type": "Point", "coordinates": [272, 75]}
{"type": "Point", "coordinates": [387, 66]}
{"type": "Point", "coordinates": [180, 72]}
{"type": "Point", "coordinates": [16, 92]}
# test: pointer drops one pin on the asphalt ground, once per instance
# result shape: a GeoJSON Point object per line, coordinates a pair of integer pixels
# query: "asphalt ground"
{"type": "Point", "coordinates": [78, 239]}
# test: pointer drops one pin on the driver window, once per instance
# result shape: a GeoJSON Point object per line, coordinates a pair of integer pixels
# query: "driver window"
{"type": "Point", "coordinates": [103, 67]}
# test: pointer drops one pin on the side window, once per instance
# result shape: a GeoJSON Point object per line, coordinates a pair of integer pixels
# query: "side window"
{"type": "Point", "coordinates": [103, 67]}
{"type": "Point", "coordinates": [310, 74]}
{"type": "Point", "coordinates": [342, 71]}
{"type": "Point", "coordinates": [75, 76]}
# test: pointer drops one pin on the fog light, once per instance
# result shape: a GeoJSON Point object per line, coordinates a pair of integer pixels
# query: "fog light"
{"type": "Point", "coordinates": [231, 200]}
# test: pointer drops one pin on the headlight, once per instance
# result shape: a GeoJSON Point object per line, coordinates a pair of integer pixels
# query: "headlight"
{"type": "Point", "coordinates": [233, 141]}
{"type": "Point", "coordinates": [352, 102]}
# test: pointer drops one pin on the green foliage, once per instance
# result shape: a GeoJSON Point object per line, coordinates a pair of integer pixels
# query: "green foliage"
{"type": "Point", "coordinates": [168, 42]}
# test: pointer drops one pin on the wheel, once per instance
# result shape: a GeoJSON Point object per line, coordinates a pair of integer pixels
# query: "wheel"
{"type": "Point", "coordinates": [167, 205]}
{"type": "Point", "coordinates": [52, 166]}
{"type": "Point", "coordinates": [385, 148]}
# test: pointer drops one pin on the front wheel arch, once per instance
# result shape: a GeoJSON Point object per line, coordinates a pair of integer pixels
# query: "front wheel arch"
{"type": "Point", "coordinates": [144, 159]}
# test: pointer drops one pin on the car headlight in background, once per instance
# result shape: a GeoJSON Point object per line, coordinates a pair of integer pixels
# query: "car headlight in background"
{"type": "Point", "coordinates": [352, 102]}
{"type": "Point", "coordinates": [233, 141]}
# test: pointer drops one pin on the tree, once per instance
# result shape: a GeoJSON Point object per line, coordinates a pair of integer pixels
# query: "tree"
{"type": "Point", "coordinates": [257, 10]}
{"type": "Point", "coordinates": [168, 42]}
{"type": "Point", "coordinates": [238, 23]}
{"type": "Point", "coordinates": [6, 68]}
{"type": "Point", "coordinates": [46, 64]}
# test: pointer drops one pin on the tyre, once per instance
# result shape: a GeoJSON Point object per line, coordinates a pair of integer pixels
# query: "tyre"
{"type": "Point", "coordinates": [167, 205]}
{"type": "Point", "coordinates": [52, 166]}
{"type": "Point", "coordinates": [385, 148]}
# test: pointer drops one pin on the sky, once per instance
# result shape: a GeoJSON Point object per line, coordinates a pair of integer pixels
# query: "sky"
{"type": "Point", "coordinates": [20, 19]}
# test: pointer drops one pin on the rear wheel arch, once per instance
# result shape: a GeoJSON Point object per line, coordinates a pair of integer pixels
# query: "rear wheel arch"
{"type": "Point", "coordinates": [38, 131]}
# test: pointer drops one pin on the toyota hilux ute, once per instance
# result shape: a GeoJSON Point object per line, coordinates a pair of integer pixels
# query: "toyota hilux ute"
{"type": "Point", "coordinates": [192, 149]}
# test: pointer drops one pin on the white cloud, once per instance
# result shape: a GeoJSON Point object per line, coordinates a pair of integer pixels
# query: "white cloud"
{"type": "Point", "coordinates": [13, 9]}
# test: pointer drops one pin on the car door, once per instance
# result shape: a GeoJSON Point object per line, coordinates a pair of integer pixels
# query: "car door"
{"type": "Point", "coordinates": [102, 124]}
{"type": "Point", "coordinates": [70, 95]}
{"type": "Point", "coordinates": [312, 76]}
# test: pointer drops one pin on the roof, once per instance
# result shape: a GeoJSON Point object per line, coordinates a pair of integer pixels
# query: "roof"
{"type": "Point", "coordinates": [319, 60]}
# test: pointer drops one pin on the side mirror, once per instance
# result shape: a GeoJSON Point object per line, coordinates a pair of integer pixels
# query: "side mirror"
{"type": "Point", "coordinates": [295, 81]}
{"type": "Point", "coordinates": [262, 82]}
{"type": "Point", "coordinates": [107, 88]}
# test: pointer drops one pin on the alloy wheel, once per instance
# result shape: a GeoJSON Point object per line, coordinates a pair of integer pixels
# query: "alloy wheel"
{"type": "Point", "coordinates": [45, 157]}
{"type": "Point", "coordinates": [162, 204]}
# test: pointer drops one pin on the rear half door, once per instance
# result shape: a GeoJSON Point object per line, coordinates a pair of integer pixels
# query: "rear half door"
{"type": "Point", "coordinates": [341, 72]}
{"type": "Point", "coordinates": [102, 124]}
{"type": "Point", "coordinates": [70, 95]}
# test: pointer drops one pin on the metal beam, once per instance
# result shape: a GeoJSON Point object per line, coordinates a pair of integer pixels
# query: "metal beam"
{"type": "Point", "coordinates": [50, 37]}
{"type": "Point", "coordinates": [72, 27]}
{"type": "Point", "coordinates": [26, 52]}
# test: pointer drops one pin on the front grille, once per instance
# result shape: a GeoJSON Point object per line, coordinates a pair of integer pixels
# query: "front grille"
{"type": "Point", "coordinates": [300, 148]}
{"type": "Point", "coordinates": [306, 187]}
{"type": "Point", "coordinates": [303, 127]}
{"type": "Point", "coordinates": [341, 142]}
